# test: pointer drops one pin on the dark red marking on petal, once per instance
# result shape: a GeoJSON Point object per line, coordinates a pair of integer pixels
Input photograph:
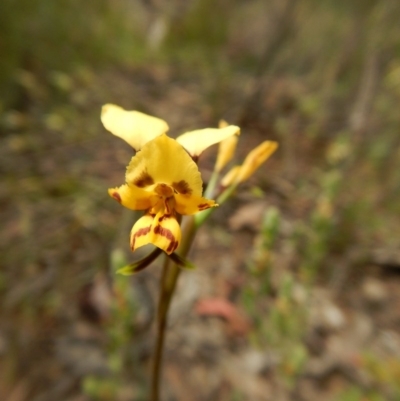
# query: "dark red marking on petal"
{"type": "Point", "coordinates": [172, 246]}
{"type": "Point", "coordinates": [139, 233]}
{"type": "Point", "coordinates": [117, 196]}
{"type": "Point", "coordinates": [203, 206]}
{"type": "Point", "coordinates": [169, 206]}
{"type": "Point", "coordinates": [164, 232]}
{"type": "Point", "coordinates": [182, 187]}
{"type": "Point", "coordinates": [144, 179]}
{"type": "Point", "coordinates": [164, 216]}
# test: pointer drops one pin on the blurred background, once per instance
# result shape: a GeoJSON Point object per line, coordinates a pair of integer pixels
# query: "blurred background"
{"type": "Point", "coordinates": [296, 295]}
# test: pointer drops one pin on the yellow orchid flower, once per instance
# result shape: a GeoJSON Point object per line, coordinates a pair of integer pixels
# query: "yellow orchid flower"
{"type": "Point", "coordinates": [138, 128]}
{"type": "Point", "coordinates": [164, 180]}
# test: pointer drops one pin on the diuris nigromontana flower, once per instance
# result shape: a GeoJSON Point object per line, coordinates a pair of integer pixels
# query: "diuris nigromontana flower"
{"type": "Point", "coordinates": [162, 178]}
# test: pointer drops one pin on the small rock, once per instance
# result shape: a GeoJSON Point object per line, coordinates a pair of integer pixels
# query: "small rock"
{"type": "Point", "coordinates": [82, 357]}
{"type": "Point", "coordinates": [390, 340]}
{"type": "Point", "coordinates": [325, 314]}
{"type": "Point", "coordinates": [255, 361]}
{"type": "Point", "coordinates": [362, 328]}
{"type": "Point", "coordinates": [374, 291]}
{"type": "Point", "coordinates": [333, 317]}
{"type": "Point", "coordinates": [299, 294]}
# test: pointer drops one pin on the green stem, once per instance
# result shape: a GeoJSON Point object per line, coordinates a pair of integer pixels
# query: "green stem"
{"type": "Point", "coordinates": [201, 217]}
{"type": "Point", "coordinates": [170, 277]}
{"type": "Point", "coordinates": [209, 192]}
{"type": "Point", "coordinates": [168, 282]}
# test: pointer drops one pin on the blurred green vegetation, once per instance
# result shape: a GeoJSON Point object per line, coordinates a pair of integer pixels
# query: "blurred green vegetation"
{"type": "Point", "coordinates": [322, 78]}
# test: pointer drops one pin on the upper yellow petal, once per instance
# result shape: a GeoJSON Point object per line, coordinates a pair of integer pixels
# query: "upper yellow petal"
{"type": "Point", "coordinates": [133, 197]}
{"type": "Point", "coordinates": [195, 142]}
{"type": "Point", "coordinates": [163, 160]}
{"type": "Point", "coordinates": [255, 158]}
{"type": "Point", "coordinates": [192, 204]}
{"type": "Point", "coordinates": [134, 127]}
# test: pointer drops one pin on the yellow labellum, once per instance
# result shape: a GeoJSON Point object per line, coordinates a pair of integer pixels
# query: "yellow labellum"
{"type": "Point", "coordinates": [160, 230]}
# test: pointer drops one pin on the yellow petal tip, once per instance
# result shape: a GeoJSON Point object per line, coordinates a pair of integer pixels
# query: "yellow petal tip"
{"type": "Point", "coordinates": [113, 192]}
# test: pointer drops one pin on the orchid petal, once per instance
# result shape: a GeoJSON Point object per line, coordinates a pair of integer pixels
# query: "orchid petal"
{"type": "Point", "coordinates": [226, 151]}
{"type": "Point", "coordinates": [141, 233]}
{"type": "Point", "coordinates": [161, 230]}
{"type": "Point", "coordinates": [192, 204]}
{"type": "Point", "coordinates": [134, 127]}
{"type": "Point", "coordinates": [255, 158]}
{"type": "Point", "coordinates": [195, 142]}
{"type": "Point", "coordinates": [133, 197]}
{"type": "Point", "coordinates": [166, 233]}
{"type": "Point", "coordinates": [163, 160]}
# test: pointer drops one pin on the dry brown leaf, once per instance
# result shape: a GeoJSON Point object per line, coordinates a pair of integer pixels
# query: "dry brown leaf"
{"type": "Point", "coordinates": [218, 307]}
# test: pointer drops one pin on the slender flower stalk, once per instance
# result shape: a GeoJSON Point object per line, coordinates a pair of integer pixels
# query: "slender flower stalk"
{"type": "Point", "coordinates": [169, 279]}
